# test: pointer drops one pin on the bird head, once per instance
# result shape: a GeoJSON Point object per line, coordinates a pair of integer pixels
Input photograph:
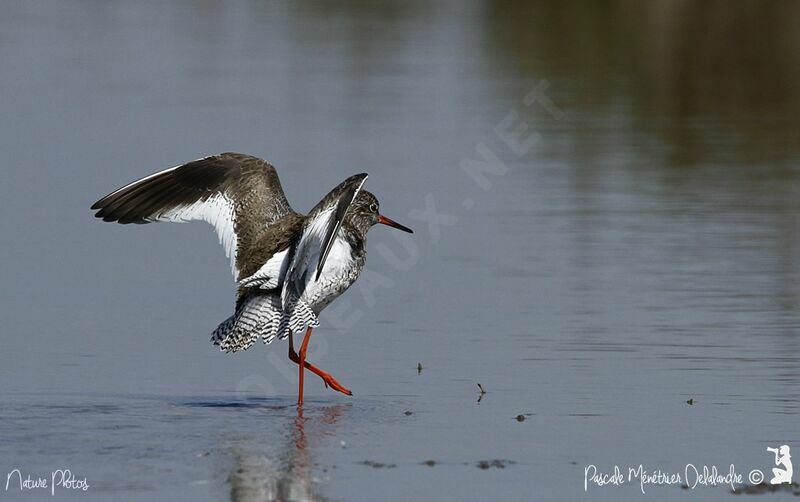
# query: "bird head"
{"type": "Point", "coordinates": [365, 212]}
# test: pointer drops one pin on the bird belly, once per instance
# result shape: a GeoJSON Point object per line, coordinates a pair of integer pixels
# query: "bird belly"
{"type": "Point", "coordinates": [339, 272]}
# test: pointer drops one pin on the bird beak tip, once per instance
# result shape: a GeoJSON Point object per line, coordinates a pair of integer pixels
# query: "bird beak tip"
{"type": "Point", "coordinates": [389, 222]}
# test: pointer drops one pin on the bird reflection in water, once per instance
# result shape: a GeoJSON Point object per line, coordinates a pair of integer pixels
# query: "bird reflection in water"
{"type": "Point", "coordinates": [288, 476]}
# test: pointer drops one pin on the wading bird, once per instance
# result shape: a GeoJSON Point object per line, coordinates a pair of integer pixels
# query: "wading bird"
{"type": "Point", "coordinates": [288, 267]}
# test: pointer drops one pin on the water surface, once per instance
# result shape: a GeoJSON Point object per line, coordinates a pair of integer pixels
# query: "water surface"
{"type": "Point", "coordinates": [635, 250]}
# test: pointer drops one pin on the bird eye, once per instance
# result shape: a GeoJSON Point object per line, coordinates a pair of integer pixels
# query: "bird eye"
{"type": "Point", "coordinates": [373, 207]}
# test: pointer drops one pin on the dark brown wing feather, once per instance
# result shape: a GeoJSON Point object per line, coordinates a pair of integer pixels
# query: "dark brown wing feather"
{"type": "Point", "coordinates": [239, 194]}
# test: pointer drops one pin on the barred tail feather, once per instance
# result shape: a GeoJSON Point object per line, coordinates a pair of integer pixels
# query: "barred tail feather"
{"type": "Point", "coordinates": [262, 316]}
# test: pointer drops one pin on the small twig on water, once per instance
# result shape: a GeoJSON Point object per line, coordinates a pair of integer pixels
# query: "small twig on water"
{"type": "Point", "coordinates": [483, 391]}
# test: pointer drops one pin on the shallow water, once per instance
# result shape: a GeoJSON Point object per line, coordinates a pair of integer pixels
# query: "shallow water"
{"type": "Point", "coordinates": [639, 251]}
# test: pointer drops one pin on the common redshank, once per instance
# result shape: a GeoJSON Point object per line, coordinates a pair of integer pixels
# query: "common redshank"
{"type": "Point", "coordinates": [288, 267]}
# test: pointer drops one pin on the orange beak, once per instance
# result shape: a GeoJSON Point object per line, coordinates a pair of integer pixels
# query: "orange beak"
{"type": "Point", "coordinates": [386, 221]}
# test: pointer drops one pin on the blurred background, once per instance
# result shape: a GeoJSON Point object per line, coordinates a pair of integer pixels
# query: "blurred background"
{"type": "Point", "coordinates": [605, 199]}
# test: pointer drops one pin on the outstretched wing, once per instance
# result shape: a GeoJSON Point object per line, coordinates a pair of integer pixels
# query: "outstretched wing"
{"type": "Point", "coordinates": [240, 195]}
{"type": "Point", "coordinates": [322, 225]}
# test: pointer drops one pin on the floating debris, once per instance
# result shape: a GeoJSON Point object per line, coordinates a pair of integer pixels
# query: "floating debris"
{"type": "Point", "coordinates": [342, 443]}
{"type": "Point", "coordinates": [429, 463]}
{"type": "Point", "coordinates": [377, 465]}
{"type": "Point", "coordinates": [690, 401]}
{"type": "Point", "coordinates": [419, 368]}
{"type": "Point", "coordinates": [520, 418]}
{"type": "Point", "coordinates": [498, 464]}
{"type": "Point", "coordinates": [408, 413]}
{"type": "Point", "coordinates": [482, 392]}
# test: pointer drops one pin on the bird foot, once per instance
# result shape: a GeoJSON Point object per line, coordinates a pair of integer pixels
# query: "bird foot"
{"type": "Point", "coordinates": [333, 384]}
{"type": "Point", "coordinates": [327, 378]}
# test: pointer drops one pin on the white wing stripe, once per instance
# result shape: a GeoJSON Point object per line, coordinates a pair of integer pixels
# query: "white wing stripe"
{"type": "Point", "coordinates": [308, 251]}
{"type": "Point", "coordinates": [325, 245]}
{"type": "Point", "coordinates": [270, 274]}
{"type": "Point", "coordinates": [316, 242]}
{"type": "Point", "coordinates": [216, 210]}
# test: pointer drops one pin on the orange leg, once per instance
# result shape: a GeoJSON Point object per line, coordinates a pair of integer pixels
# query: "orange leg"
{"type": "Point", "coordinates": [302, 363]}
